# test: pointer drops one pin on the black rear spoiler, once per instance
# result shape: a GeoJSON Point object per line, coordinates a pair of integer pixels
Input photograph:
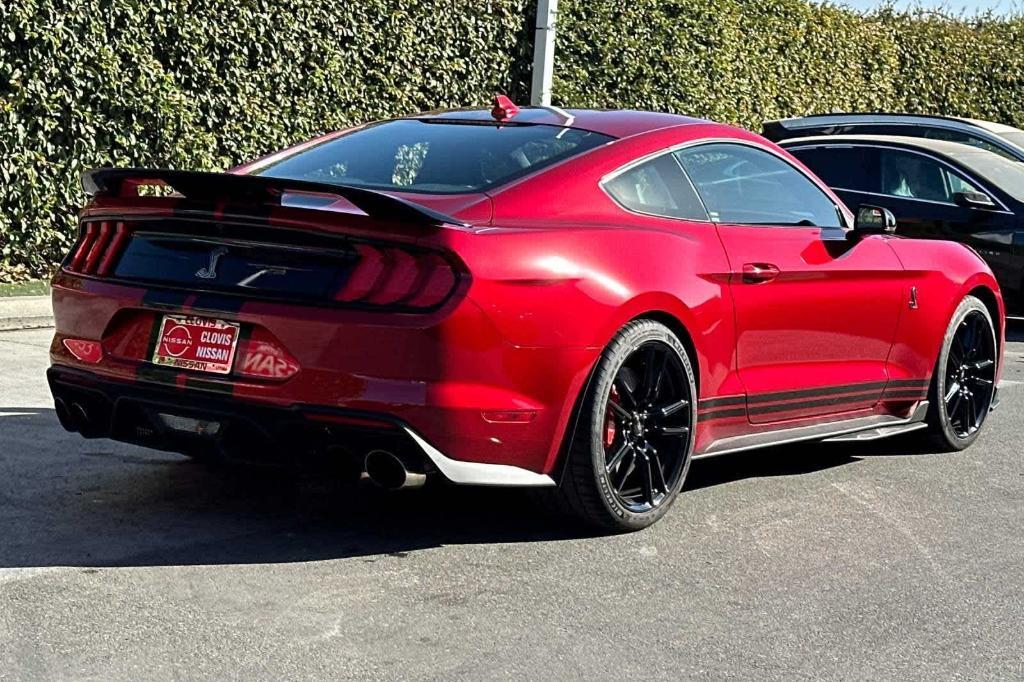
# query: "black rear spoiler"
{"type": "Point", "coordinates": [259, 189]}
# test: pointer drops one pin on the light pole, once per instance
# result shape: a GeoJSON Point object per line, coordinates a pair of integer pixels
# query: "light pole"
{"type": "Point", "coordinates": [543, 53]}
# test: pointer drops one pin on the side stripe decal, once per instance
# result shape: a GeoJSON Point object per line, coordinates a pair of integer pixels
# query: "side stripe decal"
{"type": "Point", "coordinates": [816, 392]}
{"type": "Point", "coordinates": [709, 403]}
{"type": "Point", "coordinates": [784, 401]}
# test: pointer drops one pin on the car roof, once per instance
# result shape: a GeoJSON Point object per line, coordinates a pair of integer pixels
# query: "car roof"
{"type": "Point", "coordinates": [840, 118]}
{"type": "Point", "coordinates": [955, 150]}
{"type": "Point", "coordinates": [612, 122]}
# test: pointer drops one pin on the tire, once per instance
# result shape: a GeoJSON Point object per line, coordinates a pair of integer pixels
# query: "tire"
{"type": "Point", "coordinates": [962, 389]}
{"type": "Point", "coordinates": [629, 454]}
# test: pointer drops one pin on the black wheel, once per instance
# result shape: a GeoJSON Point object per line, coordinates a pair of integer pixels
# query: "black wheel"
{"type": "Point", "coordinates": [631, 451]}
{"type": "Point", "coordinates": [963, 384]}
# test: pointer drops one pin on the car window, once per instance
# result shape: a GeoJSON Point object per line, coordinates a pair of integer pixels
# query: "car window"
{"type": "Point", "coordinates": [916, 176]}
{"type": "Point", "coordinates": [657, 187]}
{"type": "Point", "coordinates": [840, 167]}
{"type": "Point", "coordinates": [1005, 175]}
{"type": "Point", "coordinates": [744, 185]}
{"type": "Point", "coordinates": [965, 138]}
{"type": "Point", "coordinates": [927, 131]}
{"type": "Point", "coordinates": [1016, 137]}
{"type": "Point", "coordinates": [413, 155]}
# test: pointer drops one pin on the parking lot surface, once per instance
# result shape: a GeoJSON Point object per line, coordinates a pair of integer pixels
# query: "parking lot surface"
{"type": "Point", "coordinates": [853, 560]}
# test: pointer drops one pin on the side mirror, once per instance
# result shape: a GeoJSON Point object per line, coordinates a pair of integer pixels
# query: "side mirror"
{"type": "Point", "coordinates": [974, 200]}
{"type": "Point", "coordinates": [874, 220]}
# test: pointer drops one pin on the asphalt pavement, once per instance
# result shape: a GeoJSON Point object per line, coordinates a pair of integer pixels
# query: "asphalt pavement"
{"type": "Point", "coordinates": [854, 561]}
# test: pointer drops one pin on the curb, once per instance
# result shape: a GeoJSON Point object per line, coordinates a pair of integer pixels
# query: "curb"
{"type": "Point", "coordinates": [25, 312]}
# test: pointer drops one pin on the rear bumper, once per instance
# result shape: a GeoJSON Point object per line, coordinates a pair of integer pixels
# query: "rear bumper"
{"type": "Point", "coordinates": [134, 413]}
{"type": "Point", "coordinates": [444, 375]}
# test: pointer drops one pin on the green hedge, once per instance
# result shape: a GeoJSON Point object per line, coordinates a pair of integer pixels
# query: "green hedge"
{"type": "Point", "coordinates": [744, 61]}
{"type": "Point", "coordinates": [207, 83]}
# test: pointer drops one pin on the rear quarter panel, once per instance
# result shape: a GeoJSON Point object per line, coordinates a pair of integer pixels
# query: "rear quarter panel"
{"type": "Point", "coordinates": [574, 288]}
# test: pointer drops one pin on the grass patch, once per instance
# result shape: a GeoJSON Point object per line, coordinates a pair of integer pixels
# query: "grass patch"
{"type": "Point", "coordinates": [31, 288]}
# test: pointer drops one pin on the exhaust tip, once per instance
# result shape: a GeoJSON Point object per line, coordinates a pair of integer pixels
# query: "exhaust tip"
{"type": "Point", "coordinates": [80, 416]}
{"type": "Point", "coordinates": [64, 415]}
{"type": "Point", "coordinates": [387, 470]}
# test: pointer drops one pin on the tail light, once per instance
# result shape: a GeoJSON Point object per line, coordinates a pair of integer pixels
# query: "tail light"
{"type": "Point", "coordinates": [97, 248]}
{"type": "Point", "coordinates": [386, 276]}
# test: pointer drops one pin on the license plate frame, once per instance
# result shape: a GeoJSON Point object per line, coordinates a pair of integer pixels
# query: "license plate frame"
{"type": "Point", "coordinates": [198, 344]}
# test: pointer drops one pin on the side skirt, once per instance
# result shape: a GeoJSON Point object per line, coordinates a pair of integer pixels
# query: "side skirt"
{"type": "Point", "coordinates": [870, 428]}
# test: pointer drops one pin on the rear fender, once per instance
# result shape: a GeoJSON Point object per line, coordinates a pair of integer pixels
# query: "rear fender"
{"type": "Point", "coordinates": [575, 287]}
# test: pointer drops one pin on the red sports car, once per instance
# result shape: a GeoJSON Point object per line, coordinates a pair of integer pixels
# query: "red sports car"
{"type": "Point", "coordinates": [583, 300]}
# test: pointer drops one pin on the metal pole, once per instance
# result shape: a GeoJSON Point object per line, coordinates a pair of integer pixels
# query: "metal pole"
{"type": "Point", "coordinates": [543, 53]}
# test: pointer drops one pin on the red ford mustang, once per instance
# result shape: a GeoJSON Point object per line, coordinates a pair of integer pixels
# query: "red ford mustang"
{"type": "Point", "coordinates": [585, 300]}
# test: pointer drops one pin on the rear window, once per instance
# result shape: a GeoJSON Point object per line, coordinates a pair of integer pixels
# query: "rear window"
{"type": "Point", "coordinates": [414, 155]}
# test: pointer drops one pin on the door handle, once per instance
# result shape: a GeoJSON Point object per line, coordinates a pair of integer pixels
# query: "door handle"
{"type": "Point", "coordinates": [758, 273]}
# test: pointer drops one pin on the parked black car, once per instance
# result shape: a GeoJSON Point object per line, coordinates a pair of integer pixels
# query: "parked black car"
{"type": "Point", "coordinates": [936, 189]}
{"type": "Point", "coordinates": [995, 137]}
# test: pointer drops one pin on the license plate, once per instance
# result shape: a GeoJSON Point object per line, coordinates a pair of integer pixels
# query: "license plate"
{"type": "Point", "coordinates": [196, 343]}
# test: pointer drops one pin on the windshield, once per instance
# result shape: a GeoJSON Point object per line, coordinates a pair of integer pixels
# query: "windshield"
{"type": "Point", "coordinates": [415, 155]}
{"type": "Point", "coordinates": [1014, 136]}
{"type": "Point", "coordinates": [1004, 174]}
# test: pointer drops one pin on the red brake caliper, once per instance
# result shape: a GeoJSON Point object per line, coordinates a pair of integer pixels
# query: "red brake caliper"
{"type": "Point", "coordinates": [609, 424]}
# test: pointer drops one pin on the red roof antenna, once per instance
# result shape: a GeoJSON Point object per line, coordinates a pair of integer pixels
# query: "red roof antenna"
{"type": "Point", "coordinates": [504, 108]}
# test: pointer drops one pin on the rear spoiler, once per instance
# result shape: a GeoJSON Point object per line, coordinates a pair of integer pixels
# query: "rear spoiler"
{"type": "Point", "coordinates": [257, 189]}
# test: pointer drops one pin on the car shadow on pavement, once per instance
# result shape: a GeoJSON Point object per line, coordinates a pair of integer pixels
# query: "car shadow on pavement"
{"type": "Point", "coordinates": [798, 458]}
{"type": "Point", "coordinates": [65, 501]}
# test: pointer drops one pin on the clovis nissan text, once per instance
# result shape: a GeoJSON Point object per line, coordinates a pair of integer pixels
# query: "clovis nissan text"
{"type": "Point", "coordinates": [584, 301]}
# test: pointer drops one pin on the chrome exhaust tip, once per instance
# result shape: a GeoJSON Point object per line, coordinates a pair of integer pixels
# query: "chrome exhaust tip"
{"type": "Point", "coordinates": [64, 415]}
{"type": "Point", "coordinates": [79, 417]}
{"type": "Point", "coordinates": [387, 470]}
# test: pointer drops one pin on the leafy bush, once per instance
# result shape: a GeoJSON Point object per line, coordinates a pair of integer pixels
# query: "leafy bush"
{"type": "Point", "coordinates": [205, 84]}
{"type": "Point", "coordinates": [745, 61]}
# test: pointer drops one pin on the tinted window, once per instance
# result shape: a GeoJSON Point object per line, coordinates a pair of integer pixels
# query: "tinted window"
{"type": "Point", "coordinates": [1006, 175]}
{"type": "Point", "coordinates": [446, 158]}
{"type": "Point", "coordinates": [1016, 137]}
{"type": "Point", "coordinates": [658, 187]}
{"type": "Point", "coordinates": [745, 185]}
{"type": "Point", "coordinates": [930, 132]}
{"type": "Point", "coordinates": [840, 167]}
{"type": "Point", "coordinates": [915, 176]}
{"type": "Point", "coordinates": [964, 138]}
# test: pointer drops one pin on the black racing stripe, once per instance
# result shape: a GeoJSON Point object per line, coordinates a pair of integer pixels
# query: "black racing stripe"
{"type": "Point", "coordinates": [816, 392]}
{"type": "Point", "coordinates": [853, 393]}
{"type": "Point", "coordinates": [217, 303]}
{"type": "Point", "coordinates": [156, 374]}
{"type": "Point", "coordinates": [222, 387]}
{"type": "Point", "coordinates": [824, 402]}
{"type": "Point", "coordinates": [162, 298]}
{"type": "Point", "coordinates": [725, 401]}
{"type": "Point", "coordinates": [154, 336]}
{"type": "Point", "coordinates": [917, 393]}
{"type": "Point", "coordinates": [722, 414]}
{"type": "Point", "coordinates": [907, 383]}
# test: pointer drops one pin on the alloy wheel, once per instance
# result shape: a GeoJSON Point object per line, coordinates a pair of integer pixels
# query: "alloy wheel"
{"type": "Point", "coordinates": [647, 428]}
{"type": "Point", "coordinates": [970, 375]}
